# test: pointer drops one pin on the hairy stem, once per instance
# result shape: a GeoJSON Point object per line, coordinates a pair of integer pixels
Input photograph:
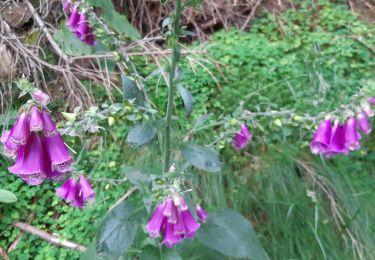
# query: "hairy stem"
{"type": "Point", "coordinates": [171, 84]}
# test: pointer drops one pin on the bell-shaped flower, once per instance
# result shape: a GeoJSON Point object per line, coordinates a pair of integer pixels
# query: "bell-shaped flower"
{"type": "Point", "coordinates": [352, 136]}
{"type": "Point", "coordinates": [83, 28]}
{"type": "Point", "coordinates": [10, 148]}
{"type": "Point", "coordinates": [90, 39]}
{"type": "Point", "coordinates": [67, 6]}
{"type": "Point", "coordinates": [191, 225]}
{"type": "Point", "coordinates": [371, 101]}
{"type": "Point", "coordinates": [201, 213]}
{"type": "Point", "coordinates": [337, 143]}
{"type": "Point", "coordinates": [170, 239]}
{"type": "Point", "coordinates": [155, 225]}
{"type": "Point", "coordinates": [31, 161]}
{"type": "Point", "coordinates": [36, 121]}
{"type": "Point", "coordinates": [61, 160]}
{"type": "Point", "coordinates": [363, 123]}
{"type": "Point", "coordinates": [20, 130]}
{"type": "Point", "coordinates": [88, 194]}
{"type": "Point", "coordinates": [322, 137]}
{"type": "Point", "coordinates": [242, 137]}
{"type": "Point", "coordinates": [73, 18]}
{"type": "Point", "coordinates": [179, 227]}
{"type": "Point", "coordinates": [49, 127]}
{"type": "Point", "coordinates": [69, 190]}
{"type": "Point", "coordinates": [40, 97]}
{"type": "Point", "coordinates": [369, 112]}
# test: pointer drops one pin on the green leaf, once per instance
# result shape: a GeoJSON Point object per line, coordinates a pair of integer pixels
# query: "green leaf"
{"type": "Point", "coordinates": [118, 230]}
{"type": "Point", "coordinates": [7, 196]}
{"type": "Point", "coordinates": [187, 98]}
{"type": "Point", "coordinates": [116, 21]}
{"type": "Point", "coordinates": [131, 91]}
{"type": "Point", "coordinates": [90, 253]}
{"type": "Point", "coordinates": [70, 44]}
{"type": "Point", "coordinates": [231, 234]}
{"type": "Point", "coordinates": [142, 134]}
{"type": "Point", "coordinates": [202, 157]}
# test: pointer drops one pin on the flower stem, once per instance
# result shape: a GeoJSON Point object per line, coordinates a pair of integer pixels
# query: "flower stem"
{"type": "Point", "coordinates": [171, 84]}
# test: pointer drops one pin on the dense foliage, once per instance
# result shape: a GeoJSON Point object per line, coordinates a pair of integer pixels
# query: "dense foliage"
{"type": "Point", "coordinates": [311, 59]}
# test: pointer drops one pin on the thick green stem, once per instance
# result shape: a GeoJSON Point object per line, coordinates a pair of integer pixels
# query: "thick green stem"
{"type": "Point", "coordinates": [171, 85]}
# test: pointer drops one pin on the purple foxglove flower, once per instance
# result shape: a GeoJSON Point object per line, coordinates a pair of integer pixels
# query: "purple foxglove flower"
{"type": "Point", "coordinates": [30, 164]}
{"type": "Point", "coordinates": [36, 121]}
{"type": "Point", "coordinates": [49, 127]}
{"type": "Point", "coordinates": [58, 153]}
{"type": "Point", "coordinates": [183, 205]}
{"type": "Point", "coordinates": [191, 225]}
{"type": "Point", "coordinates": [73, 19]}
{"type": "Point", "coordinates": [371, 101]}
{"type": "Point", "coordinates": [83, 28]}
{"type": "Point", "coordinates": [242, 137]}
{"type": "Point", "coordinates": [369, 112]}
{"type": "Point", "coordinates": [156, 222]}
{"type": "Point", "coordinates": [78, 202]}
{"type": "Point", "coordinates": [41, 97]}
{"type": "Point", "coordinates": [179, 227]}
{"type": "Point", "coordinates": [337, 143]}
{"type": "Point", "coordinates": [169, 208]}
{"type": "Point", "coordinates": [10, 148]}
{"type": "Point", "coordinates": [87, 192]}
{"type": "Point", "coordinates": [170, 239]}
{"type": "Point", "coordinates": [352, 136]}
{"type": "Point", "coordinates": [363, 123]}
{"type": "Point", "coordinates": [67, 6]}
{"type": "Point", "coordinates": [202, 214]}
{"type": "Point", "coordinates": [90, 40]}
{"type": "Point", "coordinates": [20, 130]}
{"type": "Point", "coordinates": [69, 190]}
{"type": "Point", "coordinates": [322, 137]}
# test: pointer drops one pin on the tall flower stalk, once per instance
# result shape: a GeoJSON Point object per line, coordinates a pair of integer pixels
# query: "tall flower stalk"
{"type": "Point", "coordinates": [172, 83]}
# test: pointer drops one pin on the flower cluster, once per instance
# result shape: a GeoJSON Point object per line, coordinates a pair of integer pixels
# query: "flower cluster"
{"type": "Point", "coordinates": [330, 139]}
{"type": "Point", "coordinates": [78, 24]}
{"type": "Point", "coordinates": [242, 138]}
{"type": "Point", "coordinates": [174, 217]}
{"type": "Point", "coordinates": [76, 192]}
{"type": "Point", "coordinates": [36, 144]}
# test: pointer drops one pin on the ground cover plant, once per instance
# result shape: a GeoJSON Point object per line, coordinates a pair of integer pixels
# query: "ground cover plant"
{"type": "Point", "coordinates": [228, 131]}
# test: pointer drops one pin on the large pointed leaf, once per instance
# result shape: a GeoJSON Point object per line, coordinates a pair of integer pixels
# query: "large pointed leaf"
{"type": "Point", "coordinates": [115, 20]}
{"type": "Point", "coordinates": [118, 230]}
{"type": "Point", "coordinates": [131, 91]}
{"type": "Point", "coordinates": [202, 157]}
{"type": "Point", "coordinates": [7, 196]}
{"type": "Point", "coordinates": [142, 134]}
{"type": "Point", "coordinates": [187, 98]}
{"type": "Point", "coordinates": [231, 234]}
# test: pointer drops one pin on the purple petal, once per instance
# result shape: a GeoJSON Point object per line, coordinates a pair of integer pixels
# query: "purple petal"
{"type": "Point", "coordinates": [15, 169]}
{"type": "Point", "coordinates": [48, 124]}
{"type": "Point", "coordinates": [179, 227]}
{"type": "Point", "coordinates": [169, 207]}
{"type": "Point", "coordinates": [183, 205]}
{"type": "Point", "coordinates": [68, 191]}
{"type": "Point", "coordinates": [322, 138]}
{"type": "Point", "coordinates": [78, 202]}
{"type": "Point", "coordinates": [90, 40]}
{"type": "Point", "coordinates": [245, 132]}
{"type": "Point", "coordinates": [41, 97]}
{"type": "Point", "coordinates": [58, 153]}
{"type": "Point", "coordinates": [32, 168]}
{"type": "Point", "coordinates": [202, 214]}
{"type": "Point", "coordinates": [369, 112]}
{"type": "Point", "coordinates": [87, 192]}
{"type": "Point", "coordinates": [242, 138]}
{"type": "Point", "coordinates": [337, 143]}
{"type": "Point", "coordinates": [363, 123]}
{"type": "Point", "coordinates": [36, 121]}
{"type": "Point", "coordinates": [371, 101]}
{"type": "Point", "coordinates": [352, 136]}
{"type": "Point", "coordinates": [73, 18]}
{"type": "Point", "coordinates": [156, 222]}
{"type": "Point", "coordinates": [21, 130]}
{"type": "Point", "coordinates": [67, 6]}
{"type": "Point", "coordinates": [170, 239]}
{"type": "Point", "coordinates": [191, 225]}
{"type": "Point", "coordinates": [83, 28]}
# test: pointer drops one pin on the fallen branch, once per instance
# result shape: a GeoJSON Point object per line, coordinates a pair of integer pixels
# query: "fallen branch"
{"type": "Point", "coordinates": [53, 239]}
{"type": "Point", "coordinates": [3, 254]}
{"type": "Point", "coordinates": [251, 16]}
{"type": "Point", "coordinates": [126, 195]}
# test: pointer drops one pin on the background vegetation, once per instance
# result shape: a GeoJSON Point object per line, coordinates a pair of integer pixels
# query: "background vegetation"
{"type": "Point", "coordinates": [302, 207]}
